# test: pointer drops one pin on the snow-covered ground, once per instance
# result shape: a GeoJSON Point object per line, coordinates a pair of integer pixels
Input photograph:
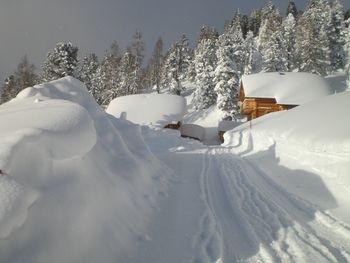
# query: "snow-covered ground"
{"type": "Point", "coordinates": [84, 186]}
{"type": "Point", "coordinates": [80, 185]}
{"type": "Point", "coordinates": [314, 138]}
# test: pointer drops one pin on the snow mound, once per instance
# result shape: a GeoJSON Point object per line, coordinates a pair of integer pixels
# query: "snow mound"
{"type": "Point", "coordinates": [314, 137]}
{"type": "Point", "coordinates": [80, 184]}
{"type": "Point", "coordinates": [288, 88]}
{"type": "Point", "coordinates": [156, 109]}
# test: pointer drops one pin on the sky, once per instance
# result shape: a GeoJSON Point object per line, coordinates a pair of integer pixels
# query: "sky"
{"type": "Point", "coordinates": [33, 27]}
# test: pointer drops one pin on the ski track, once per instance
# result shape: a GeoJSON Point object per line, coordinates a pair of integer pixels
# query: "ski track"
{"type": "Point", "coordinates": [250, 218]}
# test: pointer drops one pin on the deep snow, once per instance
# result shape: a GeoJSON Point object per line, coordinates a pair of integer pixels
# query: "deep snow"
{"type": "Point", "coordinates": [84, 186]}
{"type": "Point", "coordinates": [312, 141]}
{"type": "Point", "coordinates": [81, 184]}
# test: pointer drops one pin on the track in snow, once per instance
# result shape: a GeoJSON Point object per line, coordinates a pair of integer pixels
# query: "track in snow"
{"type": "Point", "coordinates": [252, 219]}
{"type": "Point", "coordinates": [223, 209]}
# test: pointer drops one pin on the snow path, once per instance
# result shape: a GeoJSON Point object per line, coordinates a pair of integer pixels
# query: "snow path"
{"type": "Point", "coordinates": [222, 208]}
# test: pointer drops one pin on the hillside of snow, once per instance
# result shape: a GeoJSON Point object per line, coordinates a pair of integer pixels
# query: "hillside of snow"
{"type": "Point", "coordinates": [79, 185]}
{"type": "Point", "coordinates": [305, 149]}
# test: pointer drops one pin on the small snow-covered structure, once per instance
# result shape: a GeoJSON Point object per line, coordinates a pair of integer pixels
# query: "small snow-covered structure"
{"type": "Point", "coordinates": [263, 93]}
{"type": "Point", "coordinates": [193, 131]}
{"type": "Point", "coordinates": [156, 109]}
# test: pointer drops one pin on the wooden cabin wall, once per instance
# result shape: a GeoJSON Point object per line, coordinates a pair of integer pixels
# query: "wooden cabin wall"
{"type": "Point", "coordinates": [257, 107]}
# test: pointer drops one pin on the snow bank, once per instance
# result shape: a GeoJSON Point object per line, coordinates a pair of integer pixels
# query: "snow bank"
{"type": "Point", "coordinates": [313, 137]}
{"type": "Point", "coordinates": [288, 88]}
{"type": "Point", "coordinates": [155, 109]}
{"type": "Point", "coordinates": [80, 184]}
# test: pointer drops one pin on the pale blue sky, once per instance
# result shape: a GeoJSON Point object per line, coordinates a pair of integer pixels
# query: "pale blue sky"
{"type": "Point", "coordinates": [33, 27]}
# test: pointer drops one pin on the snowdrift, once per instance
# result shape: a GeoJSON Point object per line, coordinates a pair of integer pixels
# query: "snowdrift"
{"type": "Point", "coordinates": [79, 184]}
{"type": "Point", "coordinates": [156, 109]}
{"type": "Point", "coordinates": [313, 137]}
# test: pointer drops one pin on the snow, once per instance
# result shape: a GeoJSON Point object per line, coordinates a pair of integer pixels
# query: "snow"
{"type": "Point", "coordinates": [228, 125]}
{"type": "Point", "coordinates": [157, 109]}
{"type": "Point", "coordinates": [313, 137]}
{"type": "Point", "coordinates": [288, 88]}
{"type": "Point", "coordinates": [193, 131]}
{"type": "Point", "coordinates": [84, 186]}
{"type": "Point", "coordinates": [80, 184]}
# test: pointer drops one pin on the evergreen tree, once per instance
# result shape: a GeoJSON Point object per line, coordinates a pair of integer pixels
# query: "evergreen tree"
{"type": "Point", "coordinates": [61, 62]}
{"type": "Point", "coordinates": [288, 27]}
{"type": "Point", "coordinates": [128, 82]}
{"type": "Point", "coordinates": [172, 67]}
{"type": "Point", "coordinates": [292, 9]}
{"type": "Point", "coordinates": [88, 68]}
{"type": "Point", "coordinates": [237, 41]}
{"type": "Point", "coordinates": [226, 78]}
{"type": "Point", "coordinates": [255, 22]}
{"type": "Point", "coordinates": [177, 65]}
{"type": "Point", "coordinates": [253, 58]}
{"type": "Point", "coordinates": [136, 51]}
{"type": "Point", "coordinates": [156, 64]}
{"type": "Point", "coordinates": [22, 78]}
{"type": "Point", "coordinates": [312, 42]}
{"type": "Point", "coordinates": [105, 82]}
{"type": "Point", "coordinates": [336, 36]}
{"type": "Point", "coordinates": [9, 89]}
{"type": "Point", "coordinates": [185, 57]}
{"type": "Point", "coordinates": [347, 15]}
{"type": "Point", "coordinates": [347, 48]}
{"type": "Point", "coordinates": [25, 75]}
{"type": "Point", "coordinates": [271, 42]}
{"type": "Point", "coordinates": [205, 64]}
{"type": "Point", "coordinates": [245, 25]}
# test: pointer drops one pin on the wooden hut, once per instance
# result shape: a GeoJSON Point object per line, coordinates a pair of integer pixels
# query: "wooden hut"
{"type": "Point", "coordinates": [263, 93]}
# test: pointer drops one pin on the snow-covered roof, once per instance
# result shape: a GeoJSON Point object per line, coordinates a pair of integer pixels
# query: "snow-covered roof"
{"type": "Point", "coordinates": [155, 109]}
{"type": "Point", "coordinates": [289, 88]}
{"type": "Point", "coordinates": [193, 131]}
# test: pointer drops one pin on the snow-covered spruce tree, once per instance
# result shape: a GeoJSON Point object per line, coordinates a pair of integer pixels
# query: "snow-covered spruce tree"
{"type": "Point", "coordinates": [25, 75]}
{"type": "Point", "coordinates": [105, 81]}
{"type": "Point", "coordinates": [255, 22]}
{"type": "Point", "coordinates": [292, 9]}
{"type": "Point", "coordinates": [205, 64]}
{"type": "Point", "coordinates": [288, 27]}
{"type": "Point", "coordinates": [87, 69]}
{"type": "Point", "coordinates": [176, 65]}
{"type": "Point", "coordinates": [226, 78]}
{"type": "Point", "coordinates": [252, 62]}
{"type": "Point", "coordinates": [271, 43]}
{"type": "Point", "coordinates": [155, 64]}
{"type": "Point", "coordinates": [61, 62]}
{"type": "Point", "coordinates": [8, 91]}
{"type": "Point", "coordinates": [336, 36]}
{"type": "Point", "coordinates": [99, 84]}
{"type": "Point", "coordinates": [234, 31]}
{"type": "Point", "coordinates": [185, 57]}
{"type": "Point", "coordinates": [136, 50]}
{"type": "Point", "coordinates": [22, 78]}
{"type": "Point", "coordinates": [312, 42]}
{"type": "Point", "coordinates": [173, 69]}
{"type": "Point", "coordinates": [128, 80]}
{"type": "Point", "coordinates": [347, 49]}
